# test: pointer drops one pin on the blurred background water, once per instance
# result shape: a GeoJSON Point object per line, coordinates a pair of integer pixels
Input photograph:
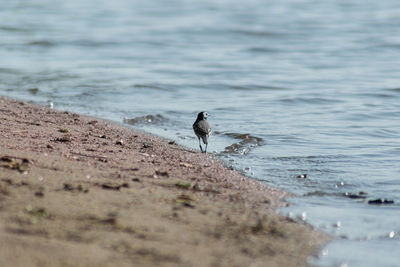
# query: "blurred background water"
{"type": "Point", "coordinates": [293, 87]}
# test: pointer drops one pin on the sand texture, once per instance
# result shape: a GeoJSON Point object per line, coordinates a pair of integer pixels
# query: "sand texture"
{"type": "Point", "coordinates": [81, 191]}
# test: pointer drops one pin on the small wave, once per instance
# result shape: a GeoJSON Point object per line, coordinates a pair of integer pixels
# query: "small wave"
{"type": "Point", "coordinates": [147, 119]}
{"type": "Point", "coordinates": [13, 29]}
{"type": "Point", "coordinates": [376, 95]}
{"type": "Point", "coordinates": [150, 86]}
{"type": "Point", "coordinates": [361, 195]}
{"type": "Point", "coordinates": [9, 71]}
{"type": "Point", "coordinates": [255, 87]}
{"type": "Point", "coordinates": [259, 33]}
{"type": "Point", "coordinates": [245, 145]}
{"type": "Point", "coordinates": [383, 133]}
{"type": "Point", "coordinates": [42, 43]}
{"type": "Point", "coordinates": [92, 43]}
{"type": "Point", "coordinates": [397, 90]}
{"type": "Point", "coordinates": [313, 159]}
{"type": "Point", "coordinates": [310, 100]}
{"type": "Point", "coordinates": [153, 86]}
{"type": "Point", "coordinates": [393, 46]}
{"type": "Point", "coordinates": [262, 50]}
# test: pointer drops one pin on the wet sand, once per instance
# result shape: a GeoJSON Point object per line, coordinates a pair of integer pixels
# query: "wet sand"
{"type": "Point", "coordinates": [81, 191]}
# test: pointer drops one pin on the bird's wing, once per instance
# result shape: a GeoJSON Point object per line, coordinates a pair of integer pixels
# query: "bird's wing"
{"type": "Point", "coordinates": [204, 128]}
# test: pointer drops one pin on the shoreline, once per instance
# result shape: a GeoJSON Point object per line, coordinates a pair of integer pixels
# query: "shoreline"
{"type": "Point", "coordinates": [82, 191]}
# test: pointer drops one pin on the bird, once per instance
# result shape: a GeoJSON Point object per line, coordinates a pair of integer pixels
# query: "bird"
{"type": "Point", "coordinates": [202, 129]}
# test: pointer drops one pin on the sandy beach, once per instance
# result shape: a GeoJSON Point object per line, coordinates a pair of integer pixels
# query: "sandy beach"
{"type": "Point", "coordinates": [81, 191]}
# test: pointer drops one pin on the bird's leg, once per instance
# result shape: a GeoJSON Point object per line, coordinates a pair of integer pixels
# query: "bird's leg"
{"type": "Point", "coordinates": [205, 150]}
{"type": "Point", "coordinates": [200, 145]}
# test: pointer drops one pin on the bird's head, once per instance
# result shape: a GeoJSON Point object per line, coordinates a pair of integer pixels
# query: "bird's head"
{"type": "Point", "coordinates": [202, 115]}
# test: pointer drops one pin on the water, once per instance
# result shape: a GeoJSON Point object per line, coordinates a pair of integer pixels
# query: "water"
{"type": "Point", "coordinates": [293, 87]}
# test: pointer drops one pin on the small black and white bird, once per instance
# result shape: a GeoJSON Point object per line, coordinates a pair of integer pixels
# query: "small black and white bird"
{"type": "Point", "coordinates": [202, 129]}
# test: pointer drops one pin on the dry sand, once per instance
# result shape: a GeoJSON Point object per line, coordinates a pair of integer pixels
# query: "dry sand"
{"type": "Point", "coordinates": [80, 191]}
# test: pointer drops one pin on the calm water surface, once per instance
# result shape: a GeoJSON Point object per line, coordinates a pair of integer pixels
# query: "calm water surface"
{"type": "Point", "coordinates": [294, 87]}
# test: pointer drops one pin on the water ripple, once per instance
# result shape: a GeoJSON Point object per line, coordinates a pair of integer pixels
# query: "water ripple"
{"type": "Point", "coordinates": [245, 145]}
{"type": "Point", "coordinates": [147, 119]}
{"type": "Point", "coordinates": [259, 33]}
{"type": "Point", "coordinates": [310, 100]}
